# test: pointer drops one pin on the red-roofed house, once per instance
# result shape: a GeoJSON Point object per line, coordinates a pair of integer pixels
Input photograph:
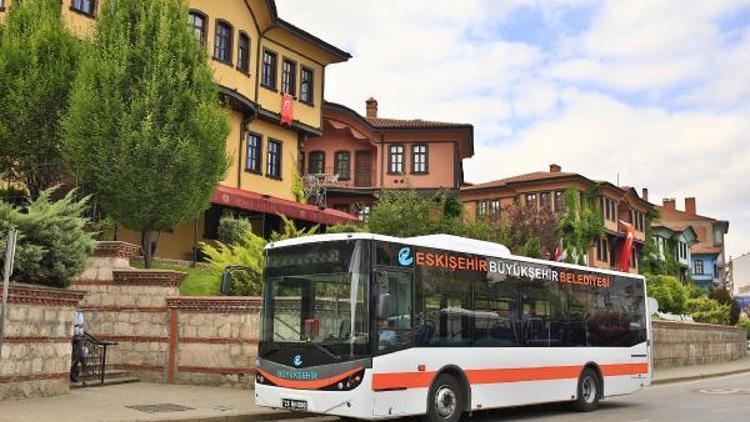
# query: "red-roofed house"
{"type": "Point", "coordinates": [358, 156]}
{"type": "Point", "coordinates": [547, 189]}
{"type": "Point", "coordinates": [707, 255]}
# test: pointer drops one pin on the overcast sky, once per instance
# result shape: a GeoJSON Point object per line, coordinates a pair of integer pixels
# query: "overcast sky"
{"type": "Point", "coordinates": [655, 91]}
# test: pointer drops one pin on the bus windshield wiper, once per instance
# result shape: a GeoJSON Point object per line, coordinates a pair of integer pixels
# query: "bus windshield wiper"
{"type": "Point", "coordinates": [325, 350]}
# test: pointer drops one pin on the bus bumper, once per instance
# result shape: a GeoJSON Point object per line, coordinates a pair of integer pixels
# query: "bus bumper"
{"type": "Point", "coordinates": [356, 403]}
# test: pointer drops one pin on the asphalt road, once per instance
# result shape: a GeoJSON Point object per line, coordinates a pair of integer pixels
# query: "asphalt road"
{"type": "Point", "coordinates": [722, 399]}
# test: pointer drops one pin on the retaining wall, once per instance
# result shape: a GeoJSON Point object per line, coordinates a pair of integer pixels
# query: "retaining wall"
{"type": "Point", "coordinates": [36, 353]}
{"type": "Point", "coordinates": [686, 344]}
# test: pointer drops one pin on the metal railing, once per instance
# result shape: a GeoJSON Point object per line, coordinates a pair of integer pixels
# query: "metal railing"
{"type": "Point", "coordinates": [95, 356]}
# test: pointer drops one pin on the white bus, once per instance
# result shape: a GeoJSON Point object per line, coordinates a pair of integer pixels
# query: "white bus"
{"type": "Point", "coordinates": [372, 327]}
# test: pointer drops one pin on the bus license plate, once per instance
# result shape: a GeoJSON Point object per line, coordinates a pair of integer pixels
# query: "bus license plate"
{"type": "Point", "coordinates": [294, 405]}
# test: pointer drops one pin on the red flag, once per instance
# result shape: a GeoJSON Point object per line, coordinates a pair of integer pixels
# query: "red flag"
{"type": "Point", "coordinates": [287, 113]}
{"type": "Point", "coordinates": [627, 247]}
{"type": "Point", "coordinates": [558, 252]}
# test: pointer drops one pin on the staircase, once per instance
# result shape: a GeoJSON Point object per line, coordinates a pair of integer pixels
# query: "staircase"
{"type": "Point", "coordinates": [111, 377]}
{"type": "Point", "coordinates": [97, 373]}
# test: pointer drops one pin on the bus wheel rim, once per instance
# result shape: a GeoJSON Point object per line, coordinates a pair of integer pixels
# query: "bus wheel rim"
{"type": "Point", "coordinates": [445, 401]}
{"type": "Point", "coordinates": [589, 390]}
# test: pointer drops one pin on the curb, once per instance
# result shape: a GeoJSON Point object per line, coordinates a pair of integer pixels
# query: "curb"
{"type": "Point", "coordinates": [699, 376]}
{"type": "Point", "coordinates": [258, 417]}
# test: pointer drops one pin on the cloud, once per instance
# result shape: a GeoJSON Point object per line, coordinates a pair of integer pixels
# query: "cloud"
{"type": "Point", "coordinates": [652, 90]}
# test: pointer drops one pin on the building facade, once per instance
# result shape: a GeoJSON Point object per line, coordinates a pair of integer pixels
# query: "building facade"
{"type": "Point", "coordinates": [546, 189]}
{"type": "Point", "coordinates": [358, 156]}
{"type": "Point", "coordinates": [256, 57]}
{"type": "Point", "coordinates": [673, 241]}
{"type": "Point", "coordinates": [738, 280]}
{"type": "Point", "coordinates": [707, 255]}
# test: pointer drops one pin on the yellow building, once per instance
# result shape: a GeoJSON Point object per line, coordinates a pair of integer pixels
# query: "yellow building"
{"type": "Point", "coordinates": [256, 57]}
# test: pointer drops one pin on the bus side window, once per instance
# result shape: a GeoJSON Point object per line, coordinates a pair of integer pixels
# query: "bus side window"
{"type": "Point", "coordinates": [394, 309]}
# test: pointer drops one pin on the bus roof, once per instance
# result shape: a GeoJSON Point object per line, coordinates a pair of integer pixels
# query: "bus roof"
{"type": "Point", "coordinates": [444, 242]}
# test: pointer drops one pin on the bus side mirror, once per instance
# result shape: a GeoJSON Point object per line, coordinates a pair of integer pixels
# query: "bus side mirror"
{"type": "Point", "coordinates": [226, 282]}
{"type": "Point", "coordinates": [384, 306]}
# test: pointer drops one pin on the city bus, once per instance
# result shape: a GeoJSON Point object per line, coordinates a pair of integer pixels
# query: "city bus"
{"type": "Point", "coordinates": [370, 327]}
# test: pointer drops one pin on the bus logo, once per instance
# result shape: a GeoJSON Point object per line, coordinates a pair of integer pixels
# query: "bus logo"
{"type": "Point", "coordinates": [297, 360]}
{"type": "Point", "coordinates": [404, 257]}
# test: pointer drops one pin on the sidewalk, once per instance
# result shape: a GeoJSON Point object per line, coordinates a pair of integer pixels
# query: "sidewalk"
{"type": "Point", "coordinates": [205, 404]}
{"type": "Point", "coordinates": [686, 373]}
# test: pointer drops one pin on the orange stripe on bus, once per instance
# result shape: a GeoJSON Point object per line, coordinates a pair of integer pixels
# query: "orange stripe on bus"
{"type": "Point", "coordinates": [401, 380]}
{"type": "Point", "coordinates": [308, 385]}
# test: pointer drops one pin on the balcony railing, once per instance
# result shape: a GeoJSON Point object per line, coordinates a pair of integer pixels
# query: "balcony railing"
{"type": "Point", "coordinates": [332, 177]}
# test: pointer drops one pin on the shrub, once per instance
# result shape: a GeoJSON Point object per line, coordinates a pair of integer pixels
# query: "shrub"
{"type": "Point", "coordinates": [289, 230]}
{"type": "Point", "coordinates": [709, 311]}
{"type": "Point", "coordinates": [52, 245]}
{"type": "Point", "coordinates": [722, 295]}
{"type": "Point", "coordinates": [248, 252]}
{"type": "Point", "coordinates": [346, 228]}
{"type": "Point", "coordinates": [745, 323]}
{"type": "Point", "coordinates": [233, 231]}
{"type": "Point", "coordinates": [669, 292]}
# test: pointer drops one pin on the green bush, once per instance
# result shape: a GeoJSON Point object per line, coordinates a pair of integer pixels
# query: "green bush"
{"type": "Point", "coordinates": [233, 230]}
{"type": "Point", "coordinates": [669, 292]}
{"type": "Point", "coordinates": [52, 245]}
{"type": "Point", "coordinates": [247, 252]}
{"type": "Point", "coordinates": [346, 228]}
{"type": "Point", "coordinates": [722, 295]}
{"type": "Point", "coordinates": [708, 311]}
{"type": "Point", "coordinates": [745, 323]}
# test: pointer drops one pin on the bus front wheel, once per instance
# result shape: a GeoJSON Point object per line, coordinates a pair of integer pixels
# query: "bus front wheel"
{"type": "Point", "coordinates": [589, 391]}
{"type": "Point", "coordinates": [447, 400]}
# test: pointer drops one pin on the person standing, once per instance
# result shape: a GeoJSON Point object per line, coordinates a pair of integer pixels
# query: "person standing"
{"type": "Point", "coordinates": [78, 365]}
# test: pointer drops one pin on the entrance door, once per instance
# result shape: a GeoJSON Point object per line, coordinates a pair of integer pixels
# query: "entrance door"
{"type": "Point", "coordinates": [363, 169]}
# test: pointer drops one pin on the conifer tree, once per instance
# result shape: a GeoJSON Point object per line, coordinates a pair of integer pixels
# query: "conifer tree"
{"type": "Point", "coordinates": [145, 132]}
{"type": "Point", "coordinates": [38, 60]}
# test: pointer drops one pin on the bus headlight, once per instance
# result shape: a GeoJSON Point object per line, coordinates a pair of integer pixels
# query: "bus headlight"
{"type": "Point", "coordinates": [350, 383]}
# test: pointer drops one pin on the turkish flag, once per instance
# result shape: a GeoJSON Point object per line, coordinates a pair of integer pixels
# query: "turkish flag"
{"type": "Point", "coordinates": [627, 247]}
{"type": "Point", "coordinates": [287, 111]}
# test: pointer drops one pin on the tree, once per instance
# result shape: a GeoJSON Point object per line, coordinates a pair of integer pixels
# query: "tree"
{"type": "Point", "coordinates": [52, 244]}
{"type": "Point", "coordinates": [722, 295]}
{"type": "Point", "coordinates": [528, 231]}
{"type": "Point", "coordinates": [708, 311]}
{"type": "Point", "coordinates": [406, 213]}
{"type": "Point", "coordinates": [38, 61]}
{"type": "Point", "coordinates": [145, 132]}
{"type": "Point", "coordinates": [669, 292]}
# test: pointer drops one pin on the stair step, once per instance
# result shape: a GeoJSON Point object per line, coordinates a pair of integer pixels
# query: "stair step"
{"type": "Point", "coordinates": [107, 381]}
{"type": "Point", "coordinates": [110, 373]}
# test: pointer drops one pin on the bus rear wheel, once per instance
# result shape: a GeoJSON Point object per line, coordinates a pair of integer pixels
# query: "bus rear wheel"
{"type": "Point", "coordinates": [589, 391]}
{"type": "Point", "coordinates": [446, 401]}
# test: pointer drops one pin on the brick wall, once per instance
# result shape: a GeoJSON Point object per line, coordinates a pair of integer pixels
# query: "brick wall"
{"type": "Point", "coordinates": [215, 340]}
{"type": "Point", "coordinates": [36, 354]}
{"type": "Point", "coordinates": [128, 306]}
{"type": "Point", "coordinates": [685, 344]}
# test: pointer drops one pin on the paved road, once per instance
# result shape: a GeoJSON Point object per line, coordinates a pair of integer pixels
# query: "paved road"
{"type": "Point", "coordinates": [724, 399]}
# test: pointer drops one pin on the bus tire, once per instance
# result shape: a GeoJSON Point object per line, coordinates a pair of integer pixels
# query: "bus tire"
{"type": "Point", "coordinates": [446, 401]}
{"type": "Point", "coordinates": [589, 391]}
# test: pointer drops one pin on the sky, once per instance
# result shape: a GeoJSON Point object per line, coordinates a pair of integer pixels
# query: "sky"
{"type": "Point", "coordinates": [654, 92]}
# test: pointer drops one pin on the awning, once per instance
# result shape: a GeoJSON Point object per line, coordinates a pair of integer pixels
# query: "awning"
{"type": "Point", "coordinates": [253, 201]}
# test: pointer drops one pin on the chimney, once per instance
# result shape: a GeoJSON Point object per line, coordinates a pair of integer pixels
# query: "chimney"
{"type": "Point", "coordinates": [690, 206]}
{"type": "Point", "coordinates": [554, 168]}
{"type": "Point", "coordinates": [372, 108]}
{"type": "Point", "coordinates": [644, 194]}
{"type": "Point", "coordinates": [668, 203]}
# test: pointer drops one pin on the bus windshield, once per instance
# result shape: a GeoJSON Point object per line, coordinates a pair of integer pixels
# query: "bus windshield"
{"type": "Point", "coordinates": [315, 301]}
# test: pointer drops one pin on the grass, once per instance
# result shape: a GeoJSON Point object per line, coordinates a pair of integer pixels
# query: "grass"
{"type": "Point", "coordinates": [200, 281]}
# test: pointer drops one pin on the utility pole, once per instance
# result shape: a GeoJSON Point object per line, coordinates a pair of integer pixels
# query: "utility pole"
{"type": "Point", "coordinates": [10, 252]}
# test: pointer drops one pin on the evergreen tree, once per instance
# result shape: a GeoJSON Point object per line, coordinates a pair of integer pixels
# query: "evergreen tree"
{"type": "Point", "coordinates": [145, 132]}
{"type": "Point", "coordinates": [38, 60]}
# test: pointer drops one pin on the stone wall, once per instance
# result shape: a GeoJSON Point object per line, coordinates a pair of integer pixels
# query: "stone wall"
{"type": "Point", "coordinates": [128, 306]}
{"type": "Point", "coordinates": [685, 344]}
{"type": "Point", "coordinates": [36, 353]}
{"type": "Point", "coordinates": [215, 340]}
